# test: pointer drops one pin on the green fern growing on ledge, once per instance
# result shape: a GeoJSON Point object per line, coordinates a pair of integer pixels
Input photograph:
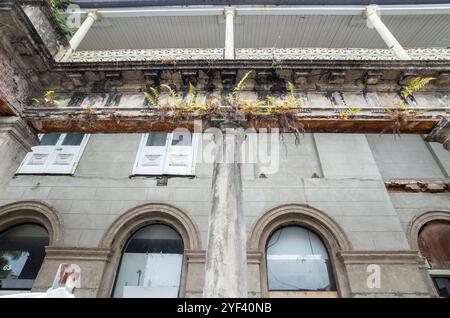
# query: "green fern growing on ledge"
{"type": "Point", "coordinates": [349, 113]}
{"type": "Point", "coordinates": [401, 114]}
{"type": "Point", "coordinates": [48, 100]}
{"type": "Point", "coordinates": [414, 85]}
{"type": "Point", "coordinates": [152, 97]}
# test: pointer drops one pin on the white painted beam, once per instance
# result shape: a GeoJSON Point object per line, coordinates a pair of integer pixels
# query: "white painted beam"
{"type": "Point", "coordinates": [374, 21]}
{"type": "Point", "coordinates": [229, 33]}
{"type": "Point", "coordinates": [434, 9]}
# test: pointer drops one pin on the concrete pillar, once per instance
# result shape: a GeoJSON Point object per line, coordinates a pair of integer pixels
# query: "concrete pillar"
{"type": "Point", "coordinates": [441, 133]}
{"type": "Point", "coordinates": [16, 140]}
{"type": "Point", "coordinates": [374, 21]}
{"type": "Point", "coordinates": [229, 33]}
{"type": "Point", "coordinates": [75, 41]}
{"type": "Point", "coordinates": [226, 256]}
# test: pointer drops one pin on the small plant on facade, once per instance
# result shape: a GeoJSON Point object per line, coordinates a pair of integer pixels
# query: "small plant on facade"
{"type": "Point", "coordinates": [152, 96]}
{"type": "Point", "coordinates": [414, 85]}
{"type": "Point", "coordinates": [401, 114]}
{"type": "Point", "coordinates": [116, 116]}
{"type": "Point", "coordinates": [233, 99]}
{"type": "Point", "coordinates": [90, 114]}
{"type": "Point", "coordinates": [285, 112]}
{"type": "Point", "coordinates": [192, 101]}
{"type": "Point", "coordinates": [272, 112]}
{"type": "Point", "coordinates": [174, 107]}
{"type": "Point", "coordinates": [57, 7]}
{"type": "Point", "coordinates": [269, 112]}
{"type": "Point", "coordinates": [48, 100]}
{"type": "Point", "coordinates": [349, 113]}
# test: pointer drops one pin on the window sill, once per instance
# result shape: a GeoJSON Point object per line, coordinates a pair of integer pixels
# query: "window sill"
{"type": "Point", "coordinates": [303, 294]}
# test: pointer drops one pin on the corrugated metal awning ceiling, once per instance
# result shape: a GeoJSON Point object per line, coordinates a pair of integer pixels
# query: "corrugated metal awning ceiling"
{"type": "Point", "coordinates": [264, 31]}
{"type": "Point", "coordinates": [136, 3]}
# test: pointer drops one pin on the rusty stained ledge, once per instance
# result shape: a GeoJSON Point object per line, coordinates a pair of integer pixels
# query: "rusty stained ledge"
{"type": "Point", "coordinates": [418, 185]}
{"type": "Point", "coordinates": [113, 122]}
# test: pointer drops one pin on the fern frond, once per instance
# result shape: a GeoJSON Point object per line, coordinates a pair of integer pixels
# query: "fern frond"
{"type": "Point", "coordinates": [259, 103]}
{"type": "Point", "coordinates": [238, 86]}
{"type": "Point", "coordinates": [291, 88]}
{"type": "Point", "coordinates": [154, 92]}
{"type": "Point", "coordinates": [271, 100]}
{"type": "Point", "coordinates": [151, 99]}
{"type": "Point", "coordinates": [49, 94]}
{"type": "Point", "coordinates": [191, 89]}
{"type": "Point", "coordinates": [172, 92]}
{"type": "Point", "coordinates": [414, 85]}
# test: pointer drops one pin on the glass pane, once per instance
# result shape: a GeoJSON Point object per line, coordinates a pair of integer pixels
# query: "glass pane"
{"type": "Point", "coordinates": [156, 139]}
{"type": "Point", "coordinates": [73, 140]}
{"type": "Point", "coordinates": [49, 139]}
{"type": "Point", "coordinates": [298, 260]}
{"type": "Point", "coordinates": [151, 264]}
{"type": "Point", "coordinates": [22, 251]}
{"type": "Point", "coordinates": [443, 286]}
{"type": "Point", "coordinates": [181, 139]}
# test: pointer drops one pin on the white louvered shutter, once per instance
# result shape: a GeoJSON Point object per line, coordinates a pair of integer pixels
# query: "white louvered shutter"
{"type": "Point", "coordinates": [36, 160]}
{"type": "Point", "coordinates": [67, 153]}
{"type": "Point", "coordinates": [56, 154]}
{"type": "Point", "coordinates": [180, 154]}
{"type": "Point", "coordinates": [152, 154]}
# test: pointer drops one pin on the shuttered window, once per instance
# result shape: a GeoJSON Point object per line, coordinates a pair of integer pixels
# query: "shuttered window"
{"type": "Point", "coordinates": [56, 154]}
{"type": "Point", "coordinates": [166, 153]}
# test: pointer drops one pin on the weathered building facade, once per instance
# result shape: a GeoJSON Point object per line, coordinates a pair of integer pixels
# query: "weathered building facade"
{"type": "Point", "coordinates": [121, 149]}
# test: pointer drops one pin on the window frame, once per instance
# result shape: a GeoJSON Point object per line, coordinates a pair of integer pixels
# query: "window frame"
{"type": "Point", "coordinates": [438, 273]}
{"type": "Point", "coordinates": [125, 245]}
{"type": "Point", "coordinates": [137, 170]}
{"type": "Point", "coordinates": [46, 170]}
{"type": "Point", "coordinates": [275, 293]}
{"type": "Point", "coordinates": [4, 291]}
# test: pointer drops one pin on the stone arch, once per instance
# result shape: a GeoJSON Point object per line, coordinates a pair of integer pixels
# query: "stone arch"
{"type": "Point", "coordinates": [329, 231]}
{"type": "Point", "coordinates": [33, 212]}
{"type": "Point", "coordinates": [303, 215]}
{"type": "Point", "coordinates": [136, 218]}
{"type": "Point", "coordinates": [418, 221]}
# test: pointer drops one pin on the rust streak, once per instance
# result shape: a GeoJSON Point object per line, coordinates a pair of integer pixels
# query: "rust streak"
{"type": "Point", "coordinates": [142, 125]}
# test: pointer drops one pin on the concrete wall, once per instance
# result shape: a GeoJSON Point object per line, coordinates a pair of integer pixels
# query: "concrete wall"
{"type": "Point", "coordinates": [407, 156]}
{"type": "Point", "coordinates": [338, 174]}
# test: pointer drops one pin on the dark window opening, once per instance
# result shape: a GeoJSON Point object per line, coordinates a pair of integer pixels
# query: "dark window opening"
{"type": "Point", "coordinates": [22, 251]}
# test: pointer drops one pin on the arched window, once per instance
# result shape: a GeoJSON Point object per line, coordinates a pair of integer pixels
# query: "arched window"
{"type": "Point", "coordinates": [22, 251]}
{"type": "Point", "coordinates": [434, 245]}
{"type": "Point", "coordinates": [151, 264]}
{"type": "Point", "coordinates": [297, 260]}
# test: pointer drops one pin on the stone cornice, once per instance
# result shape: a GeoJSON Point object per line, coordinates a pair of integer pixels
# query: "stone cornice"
{"type": "Point", "coordinates": [431, 65]}
{"type": "Point", "coordinates": [77, 253]}
{"type": "Point", "coordinates": [381, 257]}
